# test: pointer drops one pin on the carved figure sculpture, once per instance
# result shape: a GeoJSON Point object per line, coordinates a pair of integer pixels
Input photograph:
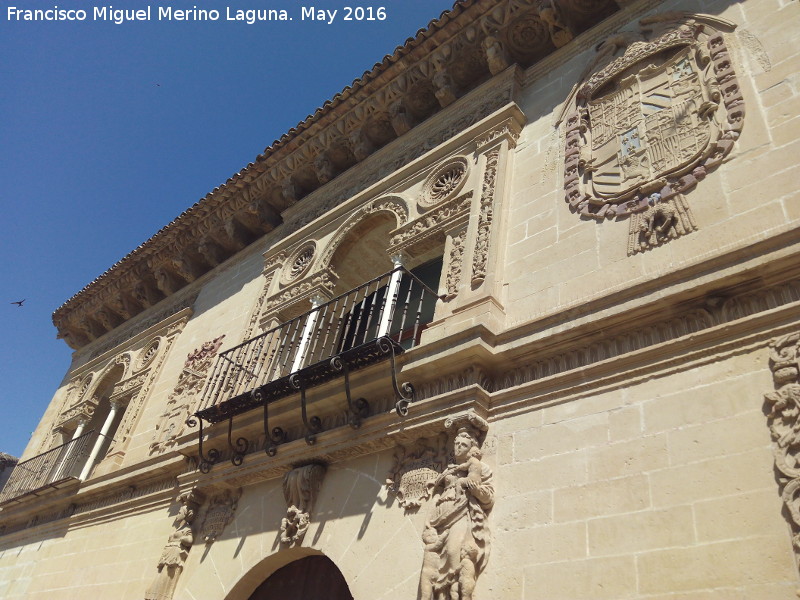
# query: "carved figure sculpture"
{"type": "Point", "coordinates": [173, 557]}
{"type": "Point", "coordinates": [300, 489]}
{"type": "Point", "coordinates": [456, 537]}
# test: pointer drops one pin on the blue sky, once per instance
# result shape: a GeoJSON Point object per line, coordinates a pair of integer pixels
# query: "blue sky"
{"type": "Point", "coordinates": [108, 132]}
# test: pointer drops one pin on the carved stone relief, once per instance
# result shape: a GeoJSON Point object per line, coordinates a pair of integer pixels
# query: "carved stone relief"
{"type": "Point", "coordinates": [660, 222]}
{"type": "Point", "coordinates": [444, 216]}
{"type": "Point", "coordinates": [220, 512]}
{"type": "Point", "coordinates": [485, 217]}
{"type": "Point", "coordinates": [445, 182]}
{"type": "Point", "coordinates": [173, 557]}
{"type": "Point", "coordinates": [298, 264]}
{"type": "Point", "coordinates": [646, 126]}
{"type": "Point", "coordinates": [416, 469]}
{"type": "Point", "coordinates": [455, 261]}
{"type": "Point", "coordinates": [300, 489]}
{"type": "Point", "coordinates": [183, 397]}
{"type": "Point", "coordinates": [456, 535]}
{"type": "Point", "coordinates": [784, 424]}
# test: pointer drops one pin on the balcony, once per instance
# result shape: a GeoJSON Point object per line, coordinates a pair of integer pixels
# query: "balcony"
{"type": "Point", "coordinates": [372, 323]}
{"type": "Point", "coordinates": [53, 469]}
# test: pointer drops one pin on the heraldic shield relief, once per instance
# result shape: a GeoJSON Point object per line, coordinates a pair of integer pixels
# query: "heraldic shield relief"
{"type": "Point", "coordinates": [643, 128]}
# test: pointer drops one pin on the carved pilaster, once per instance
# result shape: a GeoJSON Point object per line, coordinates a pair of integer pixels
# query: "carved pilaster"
{"type": "Point", "coordinates": [784, 424]}
{"type": "Point", "coordinates": [173, 557]}
{"type": "Point", "coordinates": [485, 218]}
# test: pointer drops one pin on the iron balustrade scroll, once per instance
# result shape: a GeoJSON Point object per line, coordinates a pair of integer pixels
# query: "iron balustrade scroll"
{"type": "Point", "coordinates": [374, 322]}
{"type": "Point", "coordinates": [49, 469]}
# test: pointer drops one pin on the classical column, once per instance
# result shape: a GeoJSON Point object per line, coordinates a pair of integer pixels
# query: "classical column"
{"type": "Point", "coordinates": [63, 466]}
{"type": "Point", "coordinates": [99, 442]}
{"type": "Point", "coordinates": [308, 332]}
{"type": "Point", "coordinates": [391, 296]}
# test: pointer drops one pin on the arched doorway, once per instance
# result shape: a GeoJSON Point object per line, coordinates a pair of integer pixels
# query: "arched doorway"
{"type": "Point", "coordinates": [309, 578]}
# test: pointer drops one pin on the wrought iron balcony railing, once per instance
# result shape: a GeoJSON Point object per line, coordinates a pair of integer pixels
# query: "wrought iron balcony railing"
{"type": "Point", "coordinates": [50, 469]}
{"type": "Point", "coordinates": [374, 322]}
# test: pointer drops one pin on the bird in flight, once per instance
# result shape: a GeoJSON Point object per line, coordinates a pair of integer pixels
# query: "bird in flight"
{"type": "Point", "coordinates": [19, 302]}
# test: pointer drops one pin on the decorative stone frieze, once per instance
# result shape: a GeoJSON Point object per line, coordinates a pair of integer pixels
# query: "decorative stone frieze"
{"type": "Point", "coordinates": [646, 126]}
{"type": "Point", "coordinates": [219, 513]}
{"type": "Point", "coordinates": [175, 553]}
{"type": "Point", "coordinates": [300, 489]}
{"type": "Point", "coordinates": [456, 535]}
{"type": "Point", "coordinates": [184, 396]}
{"type": "Point", "coordinates": [415, 470]}
{"type": "Point", "coordinates": [783, 418]}
{"type": "Point", "coordinates": [321, 283]}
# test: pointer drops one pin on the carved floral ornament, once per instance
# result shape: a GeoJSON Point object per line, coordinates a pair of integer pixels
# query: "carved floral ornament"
{"type": "Point", "coordinates": [444, 182]}
{"type": "Point", "coordinates": [783, 405]}
{"type": "Point", "coordinates": [299, 263]}
{"type": "Point", "coordinates": [643, 128]}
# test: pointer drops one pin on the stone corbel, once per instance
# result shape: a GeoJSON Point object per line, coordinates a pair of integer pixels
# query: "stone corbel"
{"type": "Point", "coordinates": [300, 490]}
{"type": "Point", "coordinates": [211, 251]}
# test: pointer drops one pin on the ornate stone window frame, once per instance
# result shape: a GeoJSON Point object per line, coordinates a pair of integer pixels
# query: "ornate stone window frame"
{"type": "Point", "coordinates": [141, 357]}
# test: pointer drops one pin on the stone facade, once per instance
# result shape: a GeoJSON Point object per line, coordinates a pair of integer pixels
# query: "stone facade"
{"type": "Point", "coordinates": [603, 403]}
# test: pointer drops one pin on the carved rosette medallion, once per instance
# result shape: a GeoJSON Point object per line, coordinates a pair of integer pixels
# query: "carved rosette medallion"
{"type": "Point", "coordinates": [445, 182]}
{"type": "Point", "coordinates": [298, 264]}
{"type": "Point", "coordinates": [220, 512]}
{"type": "Point", "coordinates": [147, 355]}
{"type": "Point", "coordinates": [784, 425]}
{"type": "Point", "coordinates": [646, 126]}
{"type": "Point", "coordinates": [182, 399]}
{"type": "Point", "coordinates": [416, 469]}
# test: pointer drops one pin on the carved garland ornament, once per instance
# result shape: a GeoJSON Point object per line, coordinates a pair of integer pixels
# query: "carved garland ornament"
{"type": "Point", "coordinates": [784, 425]}
{"type": "Point", "coordinates": [646, 127]}
{"type": "Point", "coordinates": [181, 401]}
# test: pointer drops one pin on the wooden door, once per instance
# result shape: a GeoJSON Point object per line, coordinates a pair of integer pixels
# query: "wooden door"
{"type": "Point", "coordinates": [310, 578]}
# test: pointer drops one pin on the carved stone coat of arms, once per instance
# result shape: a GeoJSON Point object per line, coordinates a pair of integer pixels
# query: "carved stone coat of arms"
{"type": "Point", "coordinates": [643, 128]}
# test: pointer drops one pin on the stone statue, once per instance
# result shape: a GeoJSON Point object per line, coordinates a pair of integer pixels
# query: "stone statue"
{"type": "Point", "coordinates": [173, 557]}
{"type": "Point", "coordinates": [300, 489]}
{"type": "Point", "coordinates": [456, 537]}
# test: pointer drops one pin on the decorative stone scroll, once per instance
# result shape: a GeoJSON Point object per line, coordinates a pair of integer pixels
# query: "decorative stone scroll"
{"type": "Point", "coordinates": [220, 512]}
{"type": "Point", "coordinates": [456, 535]}
{"type": "Point", "coordinates": [444, 216]}
{"type": "Point", "coordinates": [645, 127]}
{"type": "Point", "coordinates": [784, 425]}
{"type": "Point", "coordinates": [173, 557]}
{"type": "Point", "coordinates": [300, 489]}
{"type": "Point", "coordinates": [180, 402]}
{"type": "Point", "coordinates": [416, 469]}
